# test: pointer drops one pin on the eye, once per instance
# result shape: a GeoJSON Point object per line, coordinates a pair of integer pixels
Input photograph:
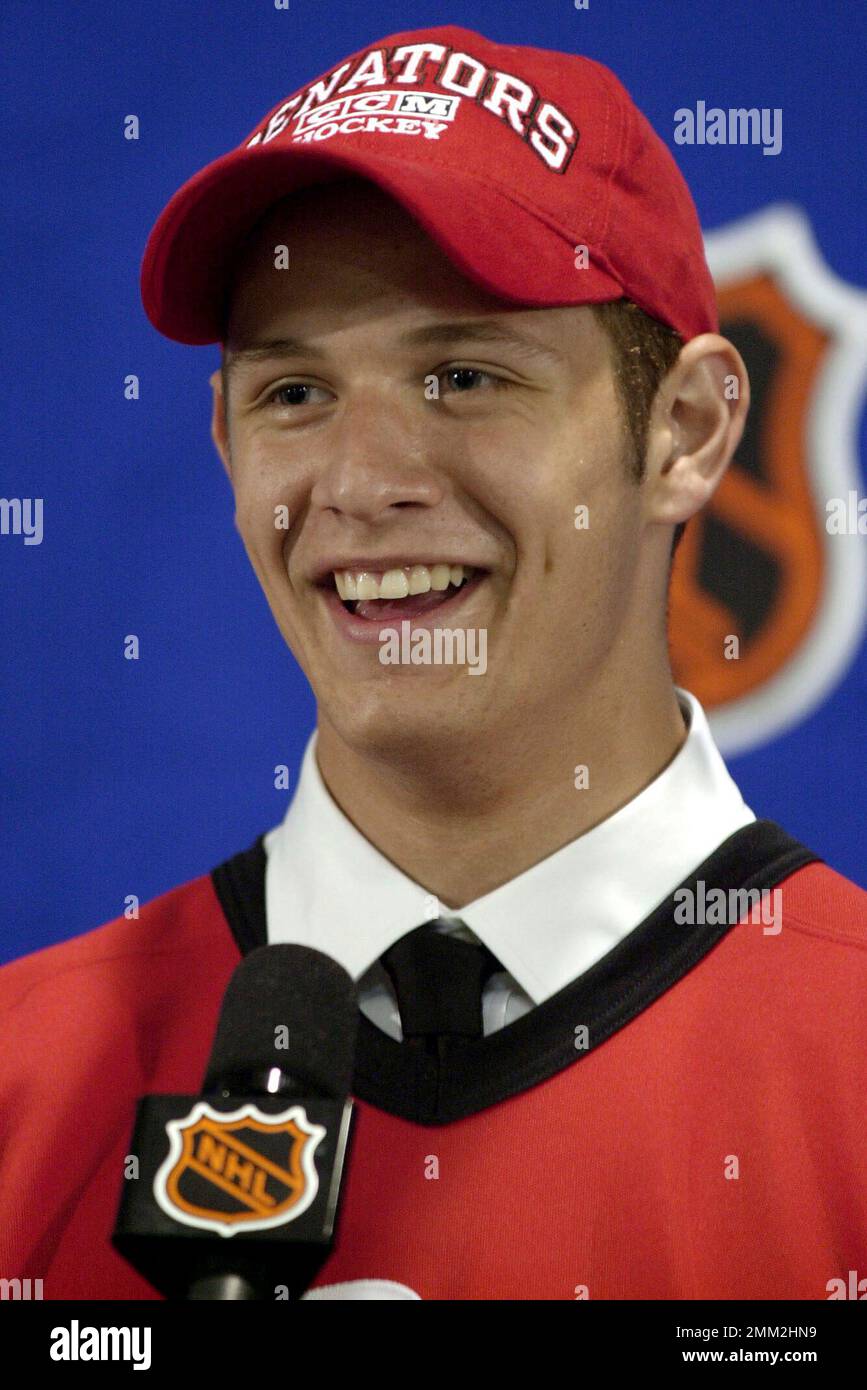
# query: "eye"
{"type": "Point", "coordinates": [465, 378]}
{"type": "Point", "coordinates": [273, 399]}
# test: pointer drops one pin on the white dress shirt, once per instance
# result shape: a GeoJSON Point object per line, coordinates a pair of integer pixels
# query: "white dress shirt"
{"type": "Point", "coordinates": [326, 886]}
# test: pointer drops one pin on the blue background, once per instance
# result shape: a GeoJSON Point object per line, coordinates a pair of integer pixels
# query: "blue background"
{"type": "Point", "coordinates": [130, 777]}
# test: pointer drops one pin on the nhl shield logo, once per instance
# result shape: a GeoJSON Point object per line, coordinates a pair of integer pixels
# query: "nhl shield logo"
{"type": "Point", "coordinates": [242, 1170]}
{"type": "Point", "coordinates": [768, 598]}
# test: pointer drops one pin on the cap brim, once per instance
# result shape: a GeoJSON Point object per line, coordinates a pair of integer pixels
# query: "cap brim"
{"type": "Point", "coordinates": [494, 240]}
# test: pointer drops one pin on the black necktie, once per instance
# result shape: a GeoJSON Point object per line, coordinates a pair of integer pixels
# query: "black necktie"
{"type": "Point", "coordinates": [439, 980]}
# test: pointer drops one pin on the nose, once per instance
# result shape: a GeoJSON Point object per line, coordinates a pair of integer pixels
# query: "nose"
{"type": "Point", "coordinates": [376, 460]}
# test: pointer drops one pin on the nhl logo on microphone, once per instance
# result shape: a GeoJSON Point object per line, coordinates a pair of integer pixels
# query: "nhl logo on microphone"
{"type": "Point", "coordinates": [239, 1170]}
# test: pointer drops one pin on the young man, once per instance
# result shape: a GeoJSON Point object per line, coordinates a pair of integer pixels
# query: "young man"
{"type": "Point", "coordinates": [431, 423]}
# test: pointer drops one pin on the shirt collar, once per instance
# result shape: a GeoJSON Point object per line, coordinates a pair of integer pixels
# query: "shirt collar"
{"type": "Point", "coordinates": [326, 886]}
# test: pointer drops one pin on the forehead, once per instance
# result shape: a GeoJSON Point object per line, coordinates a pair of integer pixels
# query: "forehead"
{"type": "Point", "coordinates": [355, 256]}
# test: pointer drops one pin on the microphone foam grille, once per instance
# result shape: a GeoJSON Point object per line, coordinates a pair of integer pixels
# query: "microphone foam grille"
{"type": "Point", "coordinates": [290, 1007]}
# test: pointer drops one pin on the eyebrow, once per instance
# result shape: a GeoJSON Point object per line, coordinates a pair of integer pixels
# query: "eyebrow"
{"type": "Point", "coordinates": [428, 335]}
{"type": "Point", "coordinates": [481, 331]}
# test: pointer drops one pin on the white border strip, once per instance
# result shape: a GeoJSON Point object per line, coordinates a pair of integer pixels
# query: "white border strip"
{"type": "Point", "coordinates": [780, 241]}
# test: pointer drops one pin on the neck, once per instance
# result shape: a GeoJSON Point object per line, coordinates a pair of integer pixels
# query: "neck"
{"type": "Point", "coordinates": [462, 821]}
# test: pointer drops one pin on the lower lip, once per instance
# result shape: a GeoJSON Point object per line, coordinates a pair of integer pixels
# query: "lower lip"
{"type": "Point", "coordinates": [368, 629]}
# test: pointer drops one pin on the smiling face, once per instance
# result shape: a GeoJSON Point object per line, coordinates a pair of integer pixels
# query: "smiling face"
{"type": "Point", "coordinates": [413, 422]}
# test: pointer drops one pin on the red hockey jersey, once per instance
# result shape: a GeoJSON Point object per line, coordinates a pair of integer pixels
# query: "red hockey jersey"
{"type": "Point", "coordinates": [685, 1120]}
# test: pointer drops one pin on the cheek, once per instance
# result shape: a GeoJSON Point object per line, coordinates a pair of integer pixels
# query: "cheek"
{"type": "Point", "coordinates": [268, 507]}
{"type": "Point", "coordinates": [267, 517]}
{"type": "Point", "coordinates": [585, 507]}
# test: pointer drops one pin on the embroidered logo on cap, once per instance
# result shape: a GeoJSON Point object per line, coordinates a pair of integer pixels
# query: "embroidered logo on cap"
{"type": "Point", "coordinates": [383, 113]}
{"type": "Point", "coordinates": [316, 112]}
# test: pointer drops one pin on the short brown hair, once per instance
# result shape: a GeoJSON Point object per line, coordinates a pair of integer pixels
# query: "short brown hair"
{"type": "Point", "coordinates": [643, 351]}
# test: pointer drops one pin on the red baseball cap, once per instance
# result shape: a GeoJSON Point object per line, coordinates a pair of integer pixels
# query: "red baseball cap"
{"type": "Point", "coordinates": [512, 159]}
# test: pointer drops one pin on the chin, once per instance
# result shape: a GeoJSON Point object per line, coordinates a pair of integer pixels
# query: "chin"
{"type": "Point", "coordinates": [412, 720]}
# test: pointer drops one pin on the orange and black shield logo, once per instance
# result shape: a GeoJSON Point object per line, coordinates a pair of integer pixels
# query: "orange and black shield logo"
{"type": "Point", "coordinates": [242, 1170]}
{"type": "Point", "coordinates": [767, 603]}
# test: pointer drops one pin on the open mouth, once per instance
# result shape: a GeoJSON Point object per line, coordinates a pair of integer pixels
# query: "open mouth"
{"type": "Point", "coordinates": [389, 597]}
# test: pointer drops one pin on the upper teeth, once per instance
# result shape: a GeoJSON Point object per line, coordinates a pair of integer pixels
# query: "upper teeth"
{"type": "Point", "coordinates": [398, 583]}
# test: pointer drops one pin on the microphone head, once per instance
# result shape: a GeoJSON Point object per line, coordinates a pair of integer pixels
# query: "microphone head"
{"type": "Point", "coordinates": [292, 1008]}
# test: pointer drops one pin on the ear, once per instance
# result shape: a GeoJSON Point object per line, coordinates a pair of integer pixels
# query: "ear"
{"type": "Point", "coordinates": [697, 421]}
{"type": "Point", "coordinates": [220, 424]}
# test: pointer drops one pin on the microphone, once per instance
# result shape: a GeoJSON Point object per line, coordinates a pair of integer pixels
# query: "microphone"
{"type": "Point", "coordinates": [237, 1190]}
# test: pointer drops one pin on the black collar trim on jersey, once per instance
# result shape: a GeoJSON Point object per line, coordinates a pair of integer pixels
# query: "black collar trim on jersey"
{"type": "Point", "coordinates": [468, 1075]}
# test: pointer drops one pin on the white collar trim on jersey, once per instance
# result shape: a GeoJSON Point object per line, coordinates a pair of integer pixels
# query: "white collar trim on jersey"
{"type": "Point", "coordinates": [326, 886]}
